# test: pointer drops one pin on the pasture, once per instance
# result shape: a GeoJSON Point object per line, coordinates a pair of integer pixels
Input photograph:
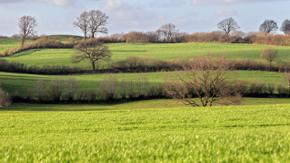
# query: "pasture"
{"type": "Point", "coordinates": [134, 133]}
{"type": "Point", "coordinates": [121, 51]}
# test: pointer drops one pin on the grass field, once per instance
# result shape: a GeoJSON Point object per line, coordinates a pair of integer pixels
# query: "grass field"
{"type": "Point", "coordinates": [21, 83]}
{"type": "Point", "coordinates": [8, 43]}
{"type": "Point", "coordinates": [256, 133]}
{"type": "Point", "coordinates": [62, 57]}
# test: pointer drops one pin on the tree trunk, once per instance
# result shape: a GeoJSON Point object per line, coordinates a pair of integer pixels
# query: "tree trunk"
{"type": "Point", "coordinates": [94, 66]}
{"type": "Point", "coordinates": [22, 41]}
{"type": "Point", "coordinates": [93, 34]}
{"type": "Point", "coordinates": [85, 34]}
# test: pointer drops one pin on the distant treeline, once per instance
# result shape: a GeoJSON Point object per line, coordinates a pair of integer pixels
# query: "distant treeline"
{"type": "Point", "coordinates": [238, 37]}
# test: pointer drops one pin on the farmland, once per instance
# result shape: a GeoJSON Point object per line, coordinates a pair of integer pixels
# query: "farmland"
{"type": "Point", "coordinates": [144, 81]}
{"type": "Point", "coordinates": [160, 130]}
{"type": "Point", "coordinates": [121, 134]}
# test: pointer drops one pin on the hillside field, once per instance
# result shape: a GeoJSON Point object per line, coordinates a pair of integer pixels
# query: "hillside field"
{"type": "Point", "coordinates": [131, 134]}
{"type": "Point", "coordinates": [182, 51]}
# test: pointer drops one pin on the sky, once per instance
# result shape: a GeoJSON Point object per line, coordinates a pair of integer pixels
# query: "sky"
{"type": "Point", "coordinates": [57, 16]}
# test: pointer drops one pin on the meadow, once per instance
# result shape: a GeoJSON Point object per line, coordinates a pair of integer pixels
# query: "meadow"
{"type": "Point", "coordinates": [121, 51]}
{"type": "Point", "coordinates": [134, 133]}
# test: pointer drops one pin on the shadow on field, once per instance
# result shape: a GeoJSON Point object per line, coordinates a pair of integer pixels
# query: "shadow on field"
{"type": "Point", "coordinates": [53, 107]}
{"type": "Point", "coordinates": [258, 126]}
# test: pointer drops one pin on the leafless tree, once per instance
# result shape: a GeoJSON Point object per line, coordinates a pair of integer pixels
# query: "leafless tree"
{"type": "Point", "coordinates": [228, 25]}
{"type": "Point", "coordinates": [167, 32]}
{"type": "Point", "coordinates": [270, 55]}
{"type": "Point", "coordinates": [205, 80]}
{"type": "Point", "coordinates": [97, 22]}
{"type": "Point", "coordinates": [286, 27]}
{"type": "Point", "coordinates": [92, 50]}
{"type": "Point", "coordinates": [27, 26]}
{"type": "Point", "coordinates": [268, 26]}
{"type": "Point", "coordinates": [82, 22]}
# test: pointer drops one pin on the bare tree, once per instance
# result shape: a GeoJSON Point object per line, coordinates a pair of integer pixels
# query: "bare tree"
{"type": "Point", "coordinates": [270, 55]}
{"type": "Point", "coordinates": [92, 50]}
{"type": "Point", "coordinates": [27, 26]}
{"type": "Point", "coordinates": [286, 27]}
{"type": "Point", "coordinates": [204, 79]}
{"type": "Point", "coordinates": [82, 22]}
{"type": "Point", "coordinates": [228, 25]}
{"type": "Point", "coordinates": [268, 26]}
{"type": "Point", "coordinates": [97, 22]}
{"type": "Point", "coordinates": [167, 32]}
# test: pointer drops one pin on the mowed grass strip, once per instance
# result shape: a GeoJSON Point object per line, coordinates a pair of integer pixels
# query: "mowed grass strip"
{"type": "Point", "coordinates": [21, 83]}
{"type": "Point", "coordinates": [218, 134]}
{"type": "Point", "coordinates": [181, 51]}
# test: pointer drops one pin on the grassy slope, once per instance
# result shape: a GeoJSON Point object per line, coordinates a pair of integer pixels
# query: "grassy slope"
{"type": "Point", "coordinates": [20, 83]}
{"type": "Point", "coordinates": [7, 43]}
{"type": "Point", "coordinates": [220, 134]}
{"type": "Point", "coordinates": [157, 51]}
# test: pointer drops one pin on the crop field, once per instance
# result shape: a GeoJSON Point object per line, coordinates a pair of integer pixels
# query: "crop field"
{"type": "Point", "coordinates": [256, 133]}
{"type": "Point", "coordinates": [182, 51]}
{"type": "Point", "coordinates": [15, 82]}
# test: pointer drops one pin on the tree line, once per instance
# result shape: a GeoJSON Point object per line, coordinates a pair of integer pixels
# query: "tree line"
{"type": "Point", "coordinates": [93, 22]}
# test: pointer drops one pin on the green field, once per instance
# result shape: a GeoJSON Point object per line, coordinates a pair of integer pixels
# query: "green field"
{"type": "Point", "coordinates": [62, 57]}
{"type": "Point", "coordinates": [21, 83]}
{"type": "Point", "coordinates": [142, 134]}
{"type": "Point", "coordinates": [8, 43]}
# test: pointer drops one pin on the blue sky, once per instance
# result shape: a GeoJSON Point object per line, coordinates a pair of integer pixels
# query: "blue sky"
{"type": "Point", "coordinates": [56, 16]}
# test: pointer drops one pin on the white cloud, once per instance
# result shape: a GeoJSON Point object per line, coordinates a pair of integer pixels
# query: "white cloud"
{"type": "Point", "coordinates": [55, 2]}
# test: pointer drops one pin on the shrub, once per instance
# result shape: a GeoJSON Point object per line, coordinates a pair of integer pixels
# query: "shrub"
{"type": "Point", "coordinates": [138, 64]}
{"type": "Point", "coordinates": [4, 98]}
{"type": "Point", "coordinates": [269, 55]}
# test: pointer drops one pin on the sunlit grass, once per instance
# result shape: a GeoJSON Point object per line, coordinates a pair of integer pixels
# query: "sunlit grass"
{"type": "Point", "coordinates": [132, 134]}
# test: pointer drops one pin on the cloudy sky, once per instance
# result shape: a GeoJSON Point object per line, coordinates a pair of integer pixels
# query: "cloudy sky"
{"type": "Point", "coordinates": [56, 16]}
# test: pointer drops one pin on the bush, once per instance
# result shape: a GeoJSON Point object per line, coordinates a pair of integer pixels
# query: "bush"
{"type": "Point", "coordinates": [4, 99]}
{"type": "Point", "coordinates": [138, 64]}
